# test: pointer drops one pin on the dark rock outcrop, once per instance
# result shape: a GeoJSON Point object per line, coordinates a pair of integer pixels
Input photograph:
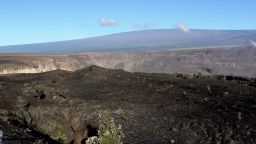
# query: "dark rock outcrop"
{"type": "Point", "coordinates": [151, 108]}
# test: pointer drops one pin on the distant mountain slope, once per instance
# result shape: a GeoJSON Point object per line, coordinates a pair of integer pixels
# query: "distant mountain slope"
{"type": "Point", "coordinates": [142, 40]}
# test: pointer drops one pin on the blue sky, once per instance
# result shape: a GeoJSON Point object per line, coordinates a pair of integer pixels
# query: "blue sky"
{"type": "Point", "coordinates": [33, 21]}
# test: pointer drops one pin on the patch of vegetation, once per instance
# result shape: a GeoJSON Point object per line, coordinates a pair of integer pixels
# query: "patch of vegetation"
{"type": "Point", "coordinates": [57, 131]}
{"type": "Point", "coordinates": [60, 136]}
{"type": "Point", "coordinates": [109, 132]}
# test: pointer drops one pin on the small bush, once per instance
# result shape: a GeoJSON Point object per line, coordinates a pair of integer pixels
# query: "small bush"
{"type": "Point", "coordinates": [60, 136]}
{"type": "Point", "coordinates": [109, 132]}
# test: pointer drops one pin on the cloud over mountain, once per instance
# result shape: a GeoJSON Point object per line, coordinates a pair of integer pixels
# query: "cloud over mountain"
{"type": "Point", "coordinates": [253, 43]}
{"type": "Point", "coordinates": [107, 22]}
{"type": "Point", "coordinates": [183, 27]}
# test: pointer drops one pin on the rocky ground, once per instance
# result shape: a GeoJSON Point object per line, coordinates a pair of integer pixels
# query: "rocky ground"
{"type": "Point", "coordinates": [151, 108]}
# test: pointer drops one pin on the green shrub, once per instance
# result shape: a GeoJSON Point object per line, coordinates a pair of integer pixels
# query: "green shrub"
{"type": "Point", "coordinates": [109, 132]}
{"type": "Point", "coordinates": [60, 136]}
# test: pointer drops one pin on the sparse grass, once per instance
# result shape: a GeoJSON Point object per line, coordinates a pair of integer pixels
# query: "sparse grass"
{"type": "Point", "coordinates": [51, 124]}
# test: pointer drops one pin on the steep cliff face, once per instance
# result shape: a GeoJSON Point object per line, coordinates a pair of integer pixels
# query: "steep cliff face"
{"type": "Point", "coordinates": [34, 64]}
{"type": "Point", "coordinates": [238, 61]}
{"type": "Point", "coordinates": [27, 69]}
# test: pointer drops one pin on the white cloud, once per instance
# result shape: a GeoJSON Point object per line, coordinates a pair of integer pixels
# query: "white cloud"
{"type": "Point", "coordinates": [253, 43]}
{"type": "Point", "coordinates": [107, 22]}
{"type": "Point", "coordinates": [183, 27]}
